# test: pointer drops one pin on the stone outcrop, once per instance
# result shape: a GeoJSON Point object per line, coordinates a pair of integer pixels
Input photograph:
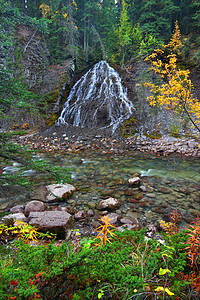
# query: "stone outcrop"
{"type": "Point", "coordinates": [57, 222]}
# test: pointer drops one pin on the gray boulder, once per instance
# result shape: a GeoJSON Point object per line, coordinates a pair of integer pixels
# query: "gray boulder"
{"type": "Point", "coordinates": [17, 209]}
{"type": "Point", "coordinates": [114, 217]}
{"type": "Point", "coordinates": [110, 204]}
{"type": "Point", "coordinates": [40, 194]}
{"type": "Point", "coordinates": [59, 192]}
{"type": "Point", "coordinates": [135, 181]}
{"type": "Point", "coordinates": [34, 206]}
{"type": "Point", "coordinates": [14, 217]}
{"type": "Point", "coordinates": [58, 222]}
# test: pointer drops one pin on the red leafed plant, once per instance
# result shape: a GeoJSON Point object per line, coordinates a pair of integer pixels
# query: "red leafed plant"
{"type": "Point", "coordinates": [193, 250]}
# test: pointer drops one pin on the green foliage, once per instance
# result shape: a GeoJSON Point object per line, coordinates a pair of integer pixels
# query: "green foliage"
{"type": "Point", "coordinates": [91, 30]}
{"type": "Point", "coordinates": [131, 267]}
{"type": "Point", "coordinates": [124, 31]}
{"type": "Point", "coordinates": [15, 97]}
{"type": "Point", "coordinates": [128, 127]}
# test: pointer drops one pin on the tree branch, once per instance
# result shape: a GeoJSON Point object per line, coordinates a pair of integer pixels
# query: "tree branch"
{"type": "Point", "coordinates": [29, 42]}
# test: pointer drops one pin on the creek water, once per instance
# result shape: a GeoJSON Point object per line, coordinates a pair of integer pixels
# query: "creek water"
{"type": "Point", "coordinates": [167, 184]}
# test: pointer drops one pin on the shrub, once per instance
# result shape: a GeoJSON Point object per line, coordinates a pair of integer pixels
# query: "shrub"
{"type": "Point", "coordinates": [131, 267]}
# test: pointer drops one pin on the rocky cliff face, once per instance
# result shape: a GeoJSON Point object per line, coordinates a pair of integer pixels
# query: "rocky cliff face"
{"type": "Point", "coordinates": [32, 55]}
{"type": "Point", "coordinates": [40, 75]}
{"type": "Point", "coordinates": [29, 59]}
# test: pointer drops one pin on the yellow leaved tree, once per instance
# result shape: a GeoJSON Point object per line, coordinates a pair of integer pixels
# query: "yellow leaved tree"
{"type": "Point", "coordinates": [175, 93]}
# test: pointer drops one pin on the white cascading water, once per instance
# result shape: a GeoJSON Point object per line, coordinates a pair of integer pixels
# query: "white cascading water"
{"type": "Point", "coordinates": [98, 99]}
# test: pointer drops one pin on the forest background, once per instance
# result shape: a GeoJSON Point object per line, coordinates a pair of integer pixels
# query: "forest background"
{"type": "Point", "coordinates": [37, 36]}
{"type": "Point", "coordinates": [43, 44]}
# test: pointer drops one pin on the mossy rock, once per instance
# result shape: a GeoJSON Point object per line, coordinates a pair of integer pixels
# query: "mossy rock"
{"type": "Point", "coordinates": [153, 135]}
{"type": "Point", "coordinates": [128, 127]}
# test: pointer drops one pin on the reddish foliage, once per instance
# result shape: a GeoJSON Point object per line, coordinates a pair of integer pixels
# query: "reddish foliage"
{"type": "Point", "coordinates": [193, 250]}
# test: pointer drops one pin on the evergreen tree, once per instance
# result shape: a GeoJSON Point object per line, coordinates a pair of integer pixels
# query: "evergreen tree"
{"type": "Point", "coordinates": [124, 31]}
{"type": "Point", "coordinates": [156, 17]}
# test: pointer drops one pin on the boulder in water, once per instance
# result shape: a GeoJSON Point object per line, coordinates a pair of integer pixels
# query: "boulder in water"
{"type": "Point", "coordinates": [59, 192]}
{"type": "Point", "coordinates": [110, 203]}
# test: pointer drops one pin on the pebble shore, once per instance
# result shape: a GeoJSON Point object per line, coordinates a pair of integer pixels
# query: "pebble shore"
{"type": "Point", "coordinates": [164, 146]}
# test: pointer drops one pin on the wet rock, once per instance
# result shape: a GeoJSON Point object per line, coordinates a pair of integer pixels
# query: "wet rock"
{"type": "Point", "coordinates": [132, 215]}
{"type": "Point", "coordinates": [138, 196]}
{"type": "Point", "coordinates": [150, 189]}
{"type": "Point", "coordinates": [132, 200]}
{"type": "Point", "coordinates": [164, 190]}
{"type": "Point", "coordinates": [92, 204]}
{"type": "Point", "coordinates": [119, 181]}
{"type": "Point", "coordinates": [129, 193]}
{"type": "Point", "coordinates": [126, 221]}
{"type": "Point", "coordinates": [133, 207]}
{"type": "Point", "coordinates": [159, 210]}
{"type": "Point", "coordinates": [114, 218]}
{"type": "Point", "coordinates": [57, 222]}
{"type": "Point", "coordinates": [17, 209]}
{"type": "Point", "coordinates": [90, 213]}
{"type": "Point", "coordinates": [34, 206]}
{"type": "Point", "coordinates": [184, 190]}
{"type": "Point", "coordinates": [151, 195]}
{"type": "Point", "coordinates": [14, 217]}
{"type": "Point", "coordinates": [59, 192]}
{"type": "Point", "coordinates": [143, 188]}
{"type": "Point", "coordinates": [110, 203]}
{"type": "Point", "coordinates": [3, 206]}
{"type": "Point", "coordinates": [142, 204]}
{"type": "Point", "coordinates": [129, 227]}
{"type": "Point", "coordinates": [107, 192]}
{"type": "Point", "coordinates": [40, 194]}
{"type": "Point", "coordinates": [80, 215]}
{"type": "Point", "coordinates": [194, 212]}
{"type": "Point", "coordinates": [135, 181]}
{"type": "Point", "coordinates": [104, 213]}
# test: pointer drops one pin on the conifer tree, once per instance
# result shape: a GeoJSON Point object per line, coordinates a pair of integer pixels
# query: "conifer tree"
{"type": "Point", "coordinates": [124, 31]}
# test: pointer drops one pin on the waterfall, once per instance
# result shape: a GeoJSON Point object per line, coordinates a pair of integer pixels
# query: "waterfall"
{"type": "Point", "coordinates": [98, 99]}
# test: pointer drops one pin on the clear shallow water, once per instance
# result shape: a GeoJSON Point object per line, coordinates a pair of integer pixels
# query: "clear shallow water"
{"type": "Point", "coordinates": [170, 183]}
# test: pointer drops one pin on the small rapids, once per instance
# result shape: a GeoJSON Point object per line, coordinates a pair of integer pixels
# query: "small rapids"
{"type": "Point", "coordinates": [98, 99]}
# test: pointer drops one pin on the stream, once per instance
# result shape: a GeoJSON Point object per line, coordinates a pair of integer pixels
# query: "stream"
{"type": "Point", "coordinates": [167, 184]}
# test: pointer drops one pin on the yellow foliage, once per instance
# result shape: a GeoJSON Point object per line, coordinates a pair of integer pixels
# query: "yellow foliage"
{"type": "Point", "coordinates": [161, 289]}
{"type": "Point", "coordinates": [176, 89]}
{"type": "Point", "coordinates": [74, 3]}
{"type": "Point", "coordinates": [104, 230]}
{"type": "Point", "coordinates": [46, 10]}
{"type": "Point", "coordinates": [175, 42]}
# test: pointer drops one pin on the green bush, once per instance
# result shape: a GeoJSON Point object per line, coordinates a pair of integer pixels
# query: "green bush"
{"type": "Point", "coordinates": [131, 267]}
